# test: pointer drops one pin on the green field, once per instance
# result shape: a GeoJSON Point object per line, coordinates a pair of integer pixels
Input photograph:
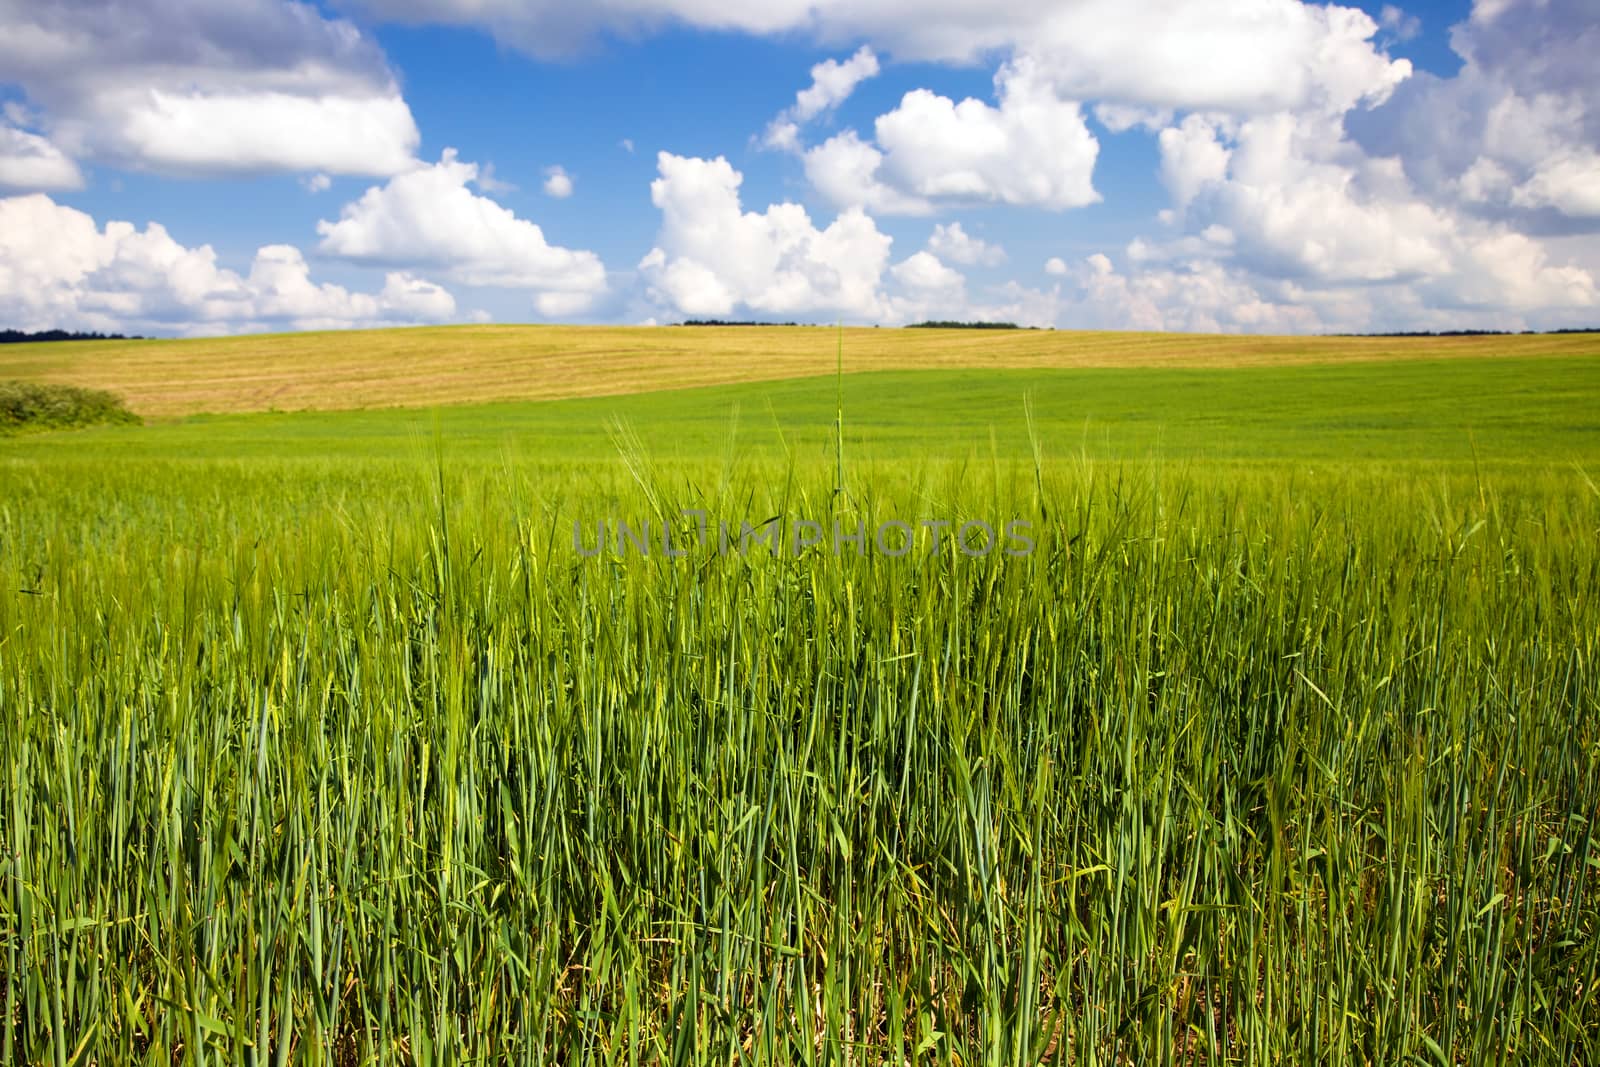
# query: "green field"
{"type": "Point", "coordinates": [1534, 410]}
{"type": "Point", "coordinates": [324, 743]}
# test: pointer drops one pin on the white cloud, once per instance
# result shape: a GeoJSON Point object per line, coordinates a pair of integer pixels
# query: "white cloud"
{"type": "Point", "coordinates": [487, 182]}
{"type": "Point", "coordinates": [926, 289]}
{"type": "Point", "coordinates": [1120, 118]}
{"type": "Point", "coordinates": [1286, 223]}
{"type": "Point", "coordinates": [191, 87]}
{"type": "Point", "coordinates": [559, 305]}
{"type": "Point", "coordinates": [832, 82]}
{"type": "Point", "coordinates": [557, 183]}
{"type": "Point", "coordinates": [281, 286]}
{"type": "Point", "coordinates": [845, 169]}
{"type": "Point", "coordinates": [715, 260]}
{"type": "Point", "coordinates": [1249, 55]}
{"type": "Point", "coordinates": [1244, 56]}
{"type": "Point", "coordinates": [712, 257]}
{"type": "Point", "coordinates": [59, 268]}
{"type": "Point", "coordinates": [1404, 27]}
{"type": "Point", "coordinates": [1212, 296]}
{"type": "Point", "coordinates": [1567, 181]}
{"type": "Point", "coordinates": [427, 217]}
{"type": "Point", "coordinates": [1033, 149]}
{"type": "Point", "coordinates": [225, 133]}
{"type": "Point", "coordinates": [412, 297]}
{"type": "Point", "coordinates": [1515, 135]}
{"type": "Point", "coordinates": [923, 273]}
{"type": "Point", "coordinates": [1017, 303]}
{"type": "Point", "coordinates": [782, 135]}
{"type": "Point", "coordinates": [31, 163]}
{"type": "Point", "coordinates": [1306, 203]}
{"type": "Point", "coordinates": [1305, 168]}
{"type": "Point", "coordinates": [1192, 155]}
{"type": "Point", "coordinates": [1410, 223]}
{"type": "Point", "coordinates": [955, 244]}
{"type": "Point", "coordinates": [1291, 198]}
{"type": "Point", "coordinates": [1510, 271]}
{"type": "Point", "coordinates": [1199, 297]}
{"type": "Point", "coordinates": [316, 183]}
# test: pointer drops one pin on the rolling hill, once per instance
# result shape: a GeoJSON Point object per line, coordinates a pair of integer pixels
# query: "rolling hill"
{"type": "Point", "coordinates": [426, 367]}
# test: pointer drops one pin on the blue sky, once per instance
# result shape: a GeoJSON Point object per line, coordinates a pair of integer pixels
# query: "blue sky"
{"type": "Point", "coordinates": [194, 167]}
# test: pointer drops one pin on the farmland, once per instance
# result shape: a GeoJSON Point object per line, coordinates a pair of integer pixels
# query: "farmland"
{"type": "Point", "coordinates": [476, 364]}
{"type": "Point", "coordinates": [324, 743]}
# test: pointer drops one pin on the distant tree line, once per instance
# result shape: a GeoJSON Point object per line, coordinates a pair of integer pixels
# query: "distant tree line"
{"type": "Point", "coordinates": [721, 322]}
{"type": "Point", "coordinates": [1472, 333]}
{"type": "Point", "coordinates": [948, 325]}
{"type": "Point", "coordinates": [939, 325]}
{"type": "Point", "coordinates": [17, 337]}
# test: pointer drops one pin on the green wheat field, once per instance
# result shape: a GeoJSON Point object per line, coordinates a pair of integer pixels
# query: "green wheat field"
{"type": "Point", "coordinates": [324, 743]}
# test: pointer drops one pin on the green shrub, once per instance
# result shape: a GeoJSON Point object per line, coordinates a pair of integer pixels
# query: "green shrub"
{"type": "Point", "coordinates": [35, 406]}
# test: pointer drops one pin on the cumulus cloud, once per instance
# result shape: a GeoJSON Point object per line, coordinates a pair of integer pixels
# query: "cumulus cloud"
{"type": "Point", "coordinates": [923, 288]}
{"type": "Point", "coordinates": [1250, 55]}
{"type": "Point", "coordinates": [1290, 197]}
{"type": "Point", "coordinates": [848, 172]}
{"type": "Point", "coordinates": [1568, 182]}
{"type": "Point", "coordinates": [407, 296]}
{"type": "Point", "coordinates": [1403, 26]}
{"type": "Point", "coordinates": [1302, 201]}
{"type": "Point", "coordinates": [1282, 222]}
{"type": "Point", "coordinates": [1315, 182]}
{"type": "Point", "coordinates": [429, 218]}
{"type": "Point", "coordinates": [280, 289]}
{"type": "Point", "coordinates": [923, 273]}
{"type": "Point", "coordinates": [1244, 56]}
{"type": "Point", "coordinates": [1214, 296]}
{"type": "Point", "coordinates": [832, 82]}
{"type": "Point", "coordinates": [955, 244]}
{"type": "Point", "coordinates": [1032, 149]}
{"type": "Point", "coordinates": [1120, 118]}
{"type": "Point", "coordinates": [488, 182]}
{"type": "Point", "coordinates": [713, 257]}
{"type": "Point", "coordinates": [59, 268]}
{"type": "Point", "coordinates": [29, 162]}
{"type": "Point", "coordinates": [192, 87]}
{"type": "Point", "coordinates": [1202, 296]}
{"type": "Point", "coordinates": [1192, 154]}
{"type": "Point", "coordinates": [1422, 209]}
{"type": "Point", "coordinates": [557, 183]}
{"type": "Point", "coordinates": [1515, 135]}
{"type": "Point", "coordinates": [187, 132]}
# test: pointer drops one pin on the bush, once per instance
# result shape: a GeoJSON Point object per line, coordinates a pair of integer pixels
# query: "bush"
{"type": "Point", "coordinates": [33, 406]}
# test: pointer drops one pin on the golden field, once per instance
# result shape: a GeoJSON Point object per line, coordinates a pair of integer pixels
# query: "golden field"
{"type": "Point", "coordinates": [465, 364]}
